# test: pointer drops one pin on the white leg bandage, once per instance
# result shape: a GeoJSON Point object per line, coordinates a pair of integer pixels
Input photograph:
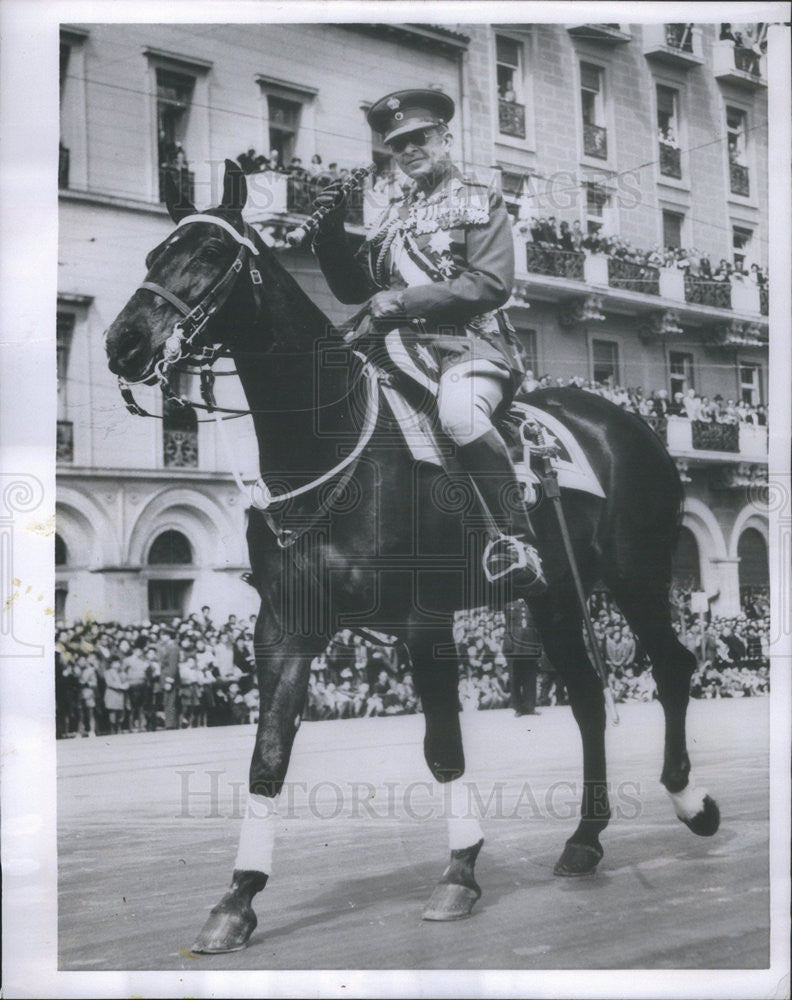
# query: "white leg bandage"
{"type": "Point", "coordinates": [257, 839]}
{"type": "Point", "coordinates": [689, 802]}
{"type": "Point", "coordinates": [462, 812]}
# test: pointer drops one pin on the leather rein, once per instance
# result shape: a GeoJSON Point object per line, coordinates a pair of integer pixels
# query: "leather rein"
{"type": "Point", "coordinates": [182, 347]}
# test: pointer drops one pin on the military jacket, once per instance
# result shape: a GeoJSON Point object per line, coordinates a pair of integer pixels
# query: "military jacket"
{"type": "Point", "coordinates": [451, 254]}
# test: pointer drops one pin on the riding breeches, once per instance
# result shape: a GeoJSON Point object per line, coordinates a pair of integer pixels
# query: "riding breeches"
{"type": "Point", "coordinates": [466, 402]}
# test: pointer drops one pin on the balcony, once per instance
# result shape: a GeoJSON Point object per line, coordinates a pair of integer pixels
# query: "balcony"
{"type": "Point", "coordinates": [608, 34]}
{"type": "Point", "coordinates": [595, 141]}
{"type": "Point", "coordinates": [670, 160]}
{"type": "Point", "coordinates": [739, 182]}
{"type": "Point", "coordinates": [673, 44]}
{"type": "Point", "coordinates": [63, 167]}
{"type": "Point", "coordinates": [633, 277]}
{"type": "Point", "coordinates": [64, 441]}
{"type": "Point", "coordinates": [708, 293]}
{"type": "Point", "coordinates": [290, 197]}
{"type": "Point", "coordinates": [739, 66]}
{"type": "Point", "coordinates": [557, 263]}
{"type": "Point", "coordinates": [511, 119]}
{"type": "Point", "coordinates": [713, 442]}
{"type": "Point", "coordinates": [179, 448]}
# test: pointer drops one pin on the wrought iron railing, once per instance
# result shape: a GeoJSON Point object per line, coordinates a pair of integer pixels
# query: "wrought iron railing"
{"type": "Point", "coordinates": [739, 181]}
{"type": "Point", "coordinates": [700, 291]}
{"type": "Point", "coordinates": [764, 300]}
{"type": "Point", "coordinates": [633, 277]}
{"type": "Point", "coordinates": [679, 36]}
{"type": "Point", "coordinates": [511, 119]}
{"type": "Point", "coordinates": [185, 184]}
{"type": "Point", "coordinates": [301, 190]}
{"type": "Point", "coordinates": [556, 263]}
{"type": "Point", "coordinates": [180, 448]}
{"type": "Point", "coordinates": [63, 167]}
{"type": "Point", "coordinates": [715, 437]}
{"type": "Point", "coordinates": [670, 160]}
{"type": "Point", "coordinates": [64, 442]}
{"type": "Point", "coordinates": [595, 141]}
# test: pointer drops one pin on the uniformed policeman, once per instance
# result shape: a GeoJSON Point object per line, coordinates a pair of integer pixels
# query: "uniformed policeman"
{"type": "Point", "coordinates": [443, 254]}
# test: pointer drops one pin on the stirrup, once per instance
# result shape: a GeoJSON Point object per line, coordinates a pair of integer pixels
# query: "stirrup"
{"type": "Point", "coordinates": [518, 555]}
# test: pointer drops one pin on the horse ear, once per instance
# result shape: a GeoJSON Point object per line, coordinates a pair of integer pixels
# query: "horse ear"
{"type": "Point", "coordinates": [178, 205]}
{"type": "Point", "coordinates": [234, 187]}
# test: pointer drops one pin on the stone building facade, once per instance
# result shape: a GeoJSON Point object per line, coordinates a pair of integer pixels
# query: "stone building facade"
{"type": "Point", "coordinates": [567, 119]}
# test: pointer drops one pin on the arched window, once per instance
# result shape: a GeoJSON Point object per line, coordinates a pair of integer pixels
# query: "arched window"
{"type": "Point", "coordinates": [686, 566]}
{"type": "Point", "coordinates": [61, 552]}
{"type": "Point", "coordinates": [752, 552]}
{"type": "Point", "coordinates": [170, 548]}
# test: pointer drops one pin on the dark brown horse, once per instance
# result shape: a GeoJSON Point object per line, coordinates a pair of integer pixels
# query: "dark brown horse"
{"type": "Point", "coordinates": [396, 546]}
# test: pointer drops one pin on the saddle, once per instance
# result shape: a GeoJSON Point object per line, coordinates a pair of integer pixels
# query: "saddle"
{"type": "Point", "coordinates": [409, 384]}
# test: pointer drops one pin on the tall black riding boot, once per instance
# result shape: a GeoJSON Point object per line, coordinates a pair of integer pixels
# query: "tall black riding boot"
{"type": "Point", "coordinates": [487, 462]}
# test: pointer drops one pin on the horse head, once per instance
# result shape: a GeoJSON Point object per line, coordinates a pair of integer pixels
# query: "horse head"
{"type": "Point", "coordinates": [192, 273]}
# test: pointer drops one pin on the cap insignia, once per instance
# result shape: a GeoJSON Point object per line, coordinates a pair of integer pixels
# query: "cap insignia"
{"type": "Point", "coordinates": [394, 103]}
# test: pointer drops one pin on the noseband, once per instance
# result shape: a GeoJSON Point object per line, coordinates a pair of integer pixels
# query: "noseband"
{"type": "Point", "coordinates": [181, 344]}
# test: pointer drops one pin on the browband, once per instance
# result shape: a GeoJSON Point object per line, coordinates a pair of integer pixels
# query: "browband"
{"type": "Point", "coordinates": [243, 240]}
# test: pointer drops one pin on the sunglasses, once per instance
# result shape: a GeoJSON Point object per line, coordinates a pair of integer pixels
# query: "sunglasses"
{"type": "Point", "coordinates": [419, 137]}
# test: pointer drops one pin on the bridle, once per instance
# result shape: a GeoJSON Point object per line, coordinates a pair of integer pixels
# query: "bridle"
{"type": "Point", "coordinates": [182, 346]}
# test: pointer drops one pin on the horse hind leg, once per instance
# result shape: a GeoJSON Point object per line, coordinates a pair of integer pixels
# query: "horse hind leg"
{"type": "Point", "coordinates": [562, 638]}
{"type": "Point", "coordinates": [672, 667]}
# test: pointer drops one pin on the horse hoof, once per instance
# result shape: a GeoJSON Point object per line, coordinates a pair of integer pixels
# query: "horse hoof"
{"type": "Point", "coordinates": [228, 929]}
{"type": "Point", "coordinates": [451, 901]}
{"type": "Point", "coordinates": [706, 822]}
{"type": "Point", "coordinates": [578, 859]}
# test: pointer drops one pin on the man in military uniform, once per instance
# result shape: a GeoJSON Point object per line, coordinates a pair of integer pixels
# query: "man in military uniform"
{"type": "Point", "coordinates": [443, 255]}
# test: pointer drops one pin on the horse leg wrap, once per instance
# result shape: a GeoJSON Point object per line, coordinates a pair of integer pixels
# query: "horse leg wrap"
{"type": "Point", "coordinates": [457, 891]}
{"type": "Point", "coordinates": [257, 837]}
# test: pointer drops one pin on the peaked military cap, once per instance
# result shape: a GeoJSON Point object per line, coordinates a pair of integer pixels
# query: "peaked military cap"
{"type": "Point", "coordinates": [408, 110]}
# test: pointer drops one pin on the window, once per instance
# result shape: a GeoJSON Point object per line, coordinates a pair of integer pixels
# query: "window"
{"type": "Point", "coordinates": [508, 67]}
{"type": "Point", "coordinates": [686, 561]}
{"type": "Point", "coordinates": [605, 361]}
{"type": "Point", "coordinates": [61, 593]}
{"type": "Point", "coordinates": [754, 569]}
{"type": "Point", "coordinates": [737, 144]}
{"type": "Point", "coordinates": [741, 246]}
{"type": "Point", "coordinates": [169, 549]}
{"type": "Point", "coordinates": [179, 429]}
{"type": "Point", "coordinates": [167, 599]}
{"type": "Point", "coordinates": [597, 207]}
{"type": "Point", "coordinates": [672, 229]}
{"type": "Point", "coordinates": [680, 369]}
{"type": "Point", "coordinates": [72, 143]}
{"type": "Point", "coordinates": [64, 333]}
{"type": "Point", "coordinates": [527, 341]}
{"type": "Point", "coordinates": [593, 111]}
{"type": "Point", "coordinates": [513, 188]}
{"type": "Point", "coordinates": [174, 96]}
{"type": "Point", "coordinates": [284, 123]}
{"type": "Point", "coordinates": [668, 131]}
{"type": "Point", "coordinates": [750, 384]}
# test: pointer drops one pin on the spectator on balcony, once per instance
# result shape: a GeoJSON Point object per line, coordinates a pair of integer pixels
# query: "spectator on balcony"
{"type": "Point", "coordinates": [296, 169]}
{"type": "Point", "coordinates": [692, 404]}
{"type": "Point", "coordinates": [726, 34]}
{"type": "Point", "coordinates": [565, 237]}
{"type": "Point", "coordinates": [315, 166]}
{"type": "Point", "coordinates": [577, 235]}
{"type": "Point", "coordinates": [275, 161]}
{"type": "Point", "coordinates": [761, 415]}
{"type": "Point", "coordinates": [708, 410]}
{"type": "Point", "coordinates": [661, 405]}
{"type": "Point", "coordinates": [530, 382]}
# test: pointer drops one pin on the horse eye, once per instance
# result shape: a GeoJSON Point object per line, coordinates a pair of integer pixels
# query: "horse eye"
{"type": "Point", "coordinates": [211, 251]}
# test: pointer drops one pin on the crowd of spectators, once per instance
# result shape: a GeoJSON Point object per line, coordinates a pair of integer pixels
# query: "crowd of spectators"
{"type": "Point", "coordinates": [550, 234]}
{"type": "Point", "coordinates": [658, 403]}
{"type": "Point", "coordinates": [186, 673]}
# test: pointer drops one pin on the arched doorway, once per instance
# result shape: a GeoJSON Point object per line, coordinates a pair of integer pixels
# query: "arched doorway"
{"type": "Point", "coordinates": [752, 553]}
{"type": "Point", "coordinates": [170, 580]}
{"type": "Point", "coordinates": [687, 562]}
{"type": "Point", "coordinates": [61, 585]}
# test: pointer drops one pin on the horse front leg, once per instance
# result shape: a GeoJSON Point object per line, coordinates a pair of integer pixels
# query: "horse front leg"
{"type": "Point", "coordinates": [563, 642]}
{"type": "Point", "coordinates": [435, 673]}
{"type": "Point", "coordinates": [283, 674]}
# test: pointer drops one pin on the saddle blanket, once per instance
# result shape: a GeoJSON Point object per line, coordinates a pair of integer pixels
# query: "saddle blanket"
{"type": "Point", "coordinates": [413, 359]}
